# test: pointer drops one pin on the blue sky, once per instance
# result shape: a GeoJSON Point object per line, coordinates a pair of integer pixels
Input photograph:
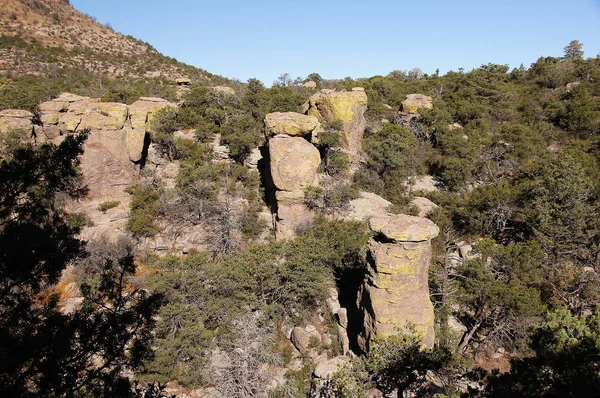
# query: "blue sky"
{"type": "Point", "coordinates": [265, 38]}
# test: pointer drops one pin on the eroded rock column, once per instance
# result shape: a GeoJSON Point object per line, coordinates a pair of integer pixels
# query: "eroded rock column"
{"type": "Point", "coordinates": [347, 107]}
{"type": "Point", "coordinates": [293, 164]}
{"type": "Point", "coordinates": [395, 294]}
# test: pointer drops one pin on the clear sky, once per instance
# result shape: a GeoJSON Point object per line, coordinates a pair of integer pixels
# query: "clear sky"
{"type": "Point", "coordinates": [338, 38]}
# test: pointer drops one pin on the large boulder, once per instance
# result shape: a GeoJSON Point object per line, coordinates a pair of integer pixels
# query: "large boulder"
{"type": "Point", "coordinates": [293, 162]}
{"type": "Point", "coordinates": [326, 369]}
{"type": "Point", "coordinates": [348, 107]}
{"type": "Point", "coordinates": [414, 102]}
{"type": "Point", "coordinates": [395, 295]}
{"type": "Point", "coordinates": [290, 123]}
{"type": "Point", "coordinates": [302, 337]}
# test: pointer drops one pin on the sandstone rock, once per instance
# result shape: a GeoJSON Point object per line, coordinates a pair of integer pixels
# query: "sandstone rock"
{"type": "Point", "coordinates": [333, 305]}
{"type": "Point", "coordinates": [290, 123]}
{"type": "Point", "coordinates": [69, 121]}
{"type": "Point", "coordinates": [413, 102]}
{"type": "Point", "coordinates": [292, 219]}
{"type": "Point", "coordinates": [293, 163]}
{"type": "Point", "coordinates": [310, 84]}
{"type": "Point", "coordinates": [326, 369]}
{"type": "Point", "coordinates": [183, 81]}
{"type": "Point", "coordinates": [344, 340]}
{"type": "Point", "coordinates": [347, 107]}
{"type": "Point", "coordinates": [424, 205]}
{"type": "Point", "coordinates": [404, 228]}
{"type": "Point", "coordinates": [455, 325]}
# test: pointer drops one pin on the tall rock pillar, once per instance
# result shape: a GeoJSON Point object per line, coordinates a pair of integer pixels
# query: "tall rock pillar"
{"type": "Point", "coordinates": [293, 164]}
{"type": "Point", "coordinates": [347, 107]}
{"type": "Point", "coordinates": [395, 294]}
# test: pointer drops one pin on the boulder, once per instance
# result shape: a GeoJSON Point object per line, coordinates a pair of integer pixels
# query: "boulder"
{"type": "Point", "coordinates": [342, 106]}
{"type": "Point", "coordinates": [404, 228]}
{"type": "Point", "coordinates": [293, 163]}
{"type": "Point", "coordinates": [290, 123]}
{"type": "Point", "coordinates": [367, 206]}
{"type": "Point", "coordinates": [424, 205]}
{"type": "Point", "coordinates": [310, 84]}
{"type": "Point", "coordinates": [424, 183]}
{"type": "Point", "coordinates": [395, 294]}
{"type": "Point", "coordinates": [301, 337]}
{"type": "Point", "coordinates": [414, 102]}
{"type": "Point", "coordinates": [326, 369]}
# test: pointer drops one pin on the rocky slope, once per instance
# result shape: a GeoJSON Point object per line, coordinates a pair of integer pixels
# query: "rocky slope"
{"type": "Point", "coordinates": [38, 37]}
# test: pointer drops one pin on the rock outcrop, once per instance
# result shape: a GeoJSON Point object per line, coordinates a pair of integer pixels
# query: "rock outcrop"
{"type": "Point", "coordinates": [117, 137]}
{"type": "Point", "coordinates": [395, 294]}
{"type": "Point", "coordinates": [16, 119]}
{"type": "Point", "coordinates": [414, 102]}
{"type": "Point", "coordinates": [348, 107]}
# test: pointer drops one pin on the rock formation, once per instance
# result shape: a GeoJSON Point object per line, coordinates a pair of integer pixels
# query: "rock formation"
{"type": "Point", "coordinates": [395, 294]}
{"type": "Point", "coordinates": [115, 148]}
{"type": "Point", "coordinates": [117, 138]}
{"type": "Point", "coordinates": [290, 123]}
{"type": "Point", "coordinates": [15, 119]}
{"type": "Point", "coordinates": [293, 163]}
{"type": "Point", "coordinates": [413, 102]}
{"type": "Point", "coordinates": [330, 106]}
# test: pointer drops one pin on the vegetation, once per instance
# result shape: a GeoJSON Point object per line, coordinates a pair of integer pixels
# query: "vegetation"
{"type": "Point", "coordinates": [47, 351]}
{"type": "Point", "coordinates": [516, 157]}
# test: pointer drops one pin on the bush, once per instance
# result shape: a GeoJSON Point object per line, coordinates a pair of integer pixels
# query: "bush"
{"type": "Point", "coordinates": [143, 211]}
{"type": "Point", "coordinates": [104, 206]}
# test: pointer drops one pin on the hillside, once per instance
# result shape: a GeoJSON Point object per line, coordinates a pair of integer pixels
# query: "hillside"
{"type": "Point", "coordinates": [51, 39]}
{"type": "Point", "coordinates": [399, 235]}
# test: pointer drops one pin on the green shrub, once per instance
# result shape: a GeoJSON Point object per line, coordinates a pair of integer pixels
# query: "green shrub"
{"type": "Point", "coordinates": [104, 206]}
{"type": "Point", "coordinates": [143, 211]}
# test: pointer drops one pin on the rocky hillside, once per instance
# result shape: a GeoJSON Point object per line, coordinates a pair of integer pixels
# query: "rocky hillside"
{"type": "Point", "coordinates": [40, 37]}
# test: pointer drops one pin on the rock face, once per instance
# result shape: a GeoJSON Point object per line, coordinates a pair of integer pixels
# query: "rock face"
{"type": "Point", "coordinates": [395, 294]}
{"type": "Point", "coordinates": [116, 144]}
{"type": "Point", "coordinates": [293, 164]}
{"type": "Point", "coordinates": [290, 123]}
{"type": "Point", "coordinates": [117, 137]}
{"type": "Point", "coordinates": [415, 101]}
{"type": "Point", "coordinates": [342, 106]}
{"type": "Point", "coordinates": [15, 119]}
